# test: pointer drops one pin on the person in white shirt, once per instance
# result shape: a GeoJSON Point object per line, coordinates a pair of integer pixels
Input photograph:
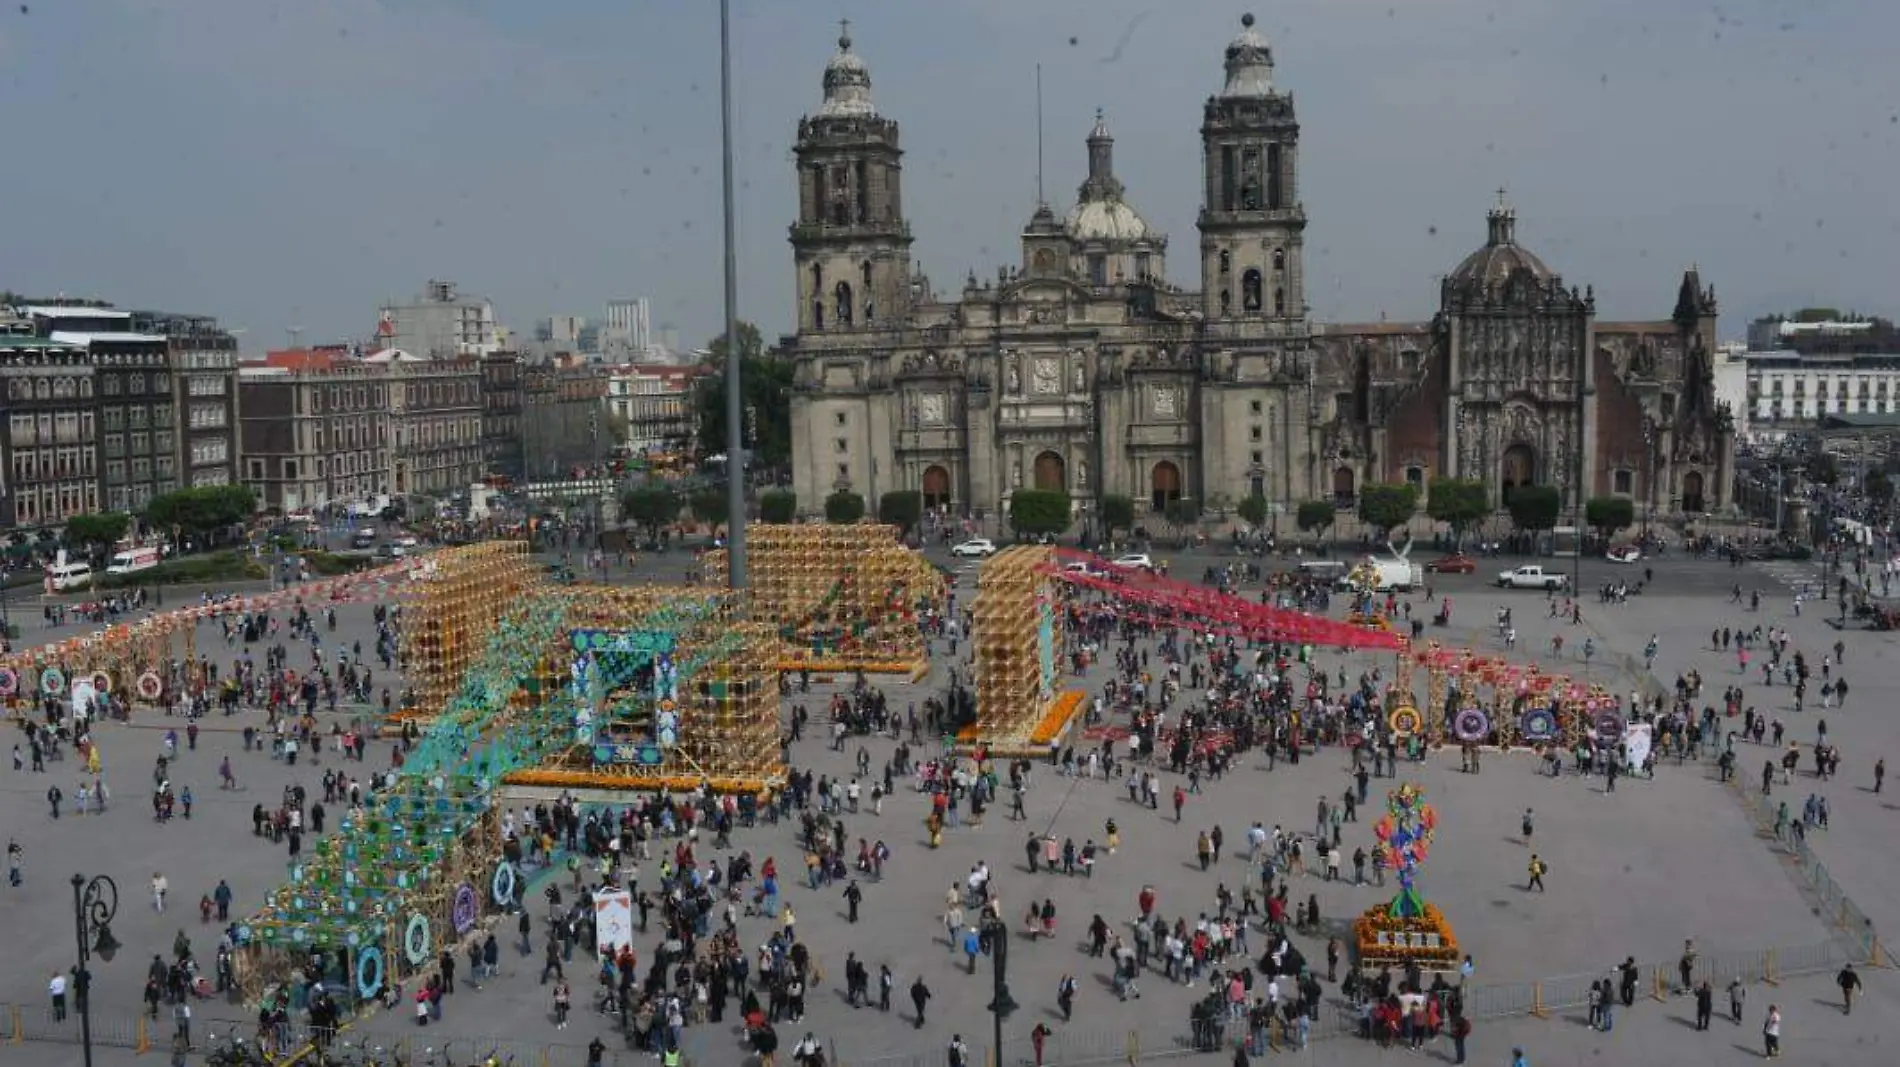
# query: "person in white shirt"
{"type": "Point", "coordinates": [56, 988]}
{"type": "Point", "coordinates": [159, 887]}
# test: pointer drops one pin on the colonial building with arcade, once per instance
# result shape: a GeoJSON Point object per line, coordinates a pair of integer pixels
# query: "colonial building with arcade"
{"type": "Point", "coordinates": [1081, 368]}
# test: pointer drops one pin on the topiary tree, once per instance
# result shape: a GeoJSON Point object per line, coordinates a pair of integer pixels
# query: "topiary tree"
{"type": "Point", "coordinates": [1535, 507]}
{"type": "Point", "coordinates": [652, 506]}
{"type": "Point", "coordinates": [778, 506]}
{"type": "Point", "coordinates": [97, 531]}
{"type": "Point", "coordinates": [710, 506]}
{"type": "Point", "coordinates": [1458, 503]}
{"type": "Point", "coordinates": [901, 508]}
{"type": "Point", "coordinates": [1315, 515]}
{"type": "Point", "coordinates": [1039, 511]}
{"type": "Point", "coordinates": [844, 506]}
{"type": "Point", "coordinates": [1118, 513]}
{"type": "Point", "coordinates": [1182, 512]}
{"type": "Point", "coordinates": [1608, 514]}
{"type": "Point", "coordinates": [1253, 510]}
{"type": "Point", "coordinates": [1388, 506]}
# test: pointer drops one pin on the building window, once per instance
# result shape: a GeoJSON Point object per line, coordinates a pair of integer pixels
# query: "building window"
{"type": "Point", "coordinates": [1226, 261]}
{"type": "Point", "coordinates": [1250, 290]}
{"type": "Point", "coordinates": [1415, 477]}
{"type": "Point", "coordinates": [1279, 259]}
{"type": "Point", "coordinates": [1141, 266]}
{"type": "Point", "coordinates": [1253, 433]}
{"type": "Point", "coordinates": [290, 468]}
{"type": "Point", "coordinates": [844, 472]}
{"type": "Point", "coordinates": [843, 445]}
{"type": "Point", "coordinates": [1254, 406]}
{"type": "Point", "coordinates": [1098, 269]}
{"type": "Point", "coordinates": [1226, 302]}
{"type": "Point", "coordinates": [1257, 457]}
{"type": "Point", "coordinates": [839, 418]}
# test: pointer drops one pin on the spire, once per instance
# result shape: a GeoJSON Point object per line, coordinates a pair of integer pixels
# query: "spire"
{"type": "Point", "coordinates": [1249, 63]}
{"type": "Point", "coordinates": [1501, 223]}
{"type": "Point", "coordinates": [1101, 184]}
{"type": "Point", "coordinates": [847, 81]}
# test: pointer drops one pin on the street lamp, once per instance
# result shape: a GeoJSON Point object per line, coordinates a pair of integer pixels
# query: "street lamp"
{"type": "Point", "coordinates": [1001, 1003]}
{"type": "Point", "coordinates": [95, 904]}
{"type": "Point", "coordinates": [1649, 478]}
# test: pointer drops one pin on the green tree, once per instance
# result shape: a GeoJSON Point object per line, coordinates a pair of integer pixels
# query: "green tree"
{"type": "Point", "coordinates": [1824, 468]}
{"type": "Point", "coordinates": [1608, 514]}
{"type": "Point", "coordinates": [844, 506]}
{"type": "Point", "coordinates": [1535, 507]}
{"type": "Point", "coordinates": [1388, 506]}
{"type": "Point", "coordinates": [1118, 513]}
{"type": "Point", "coordinates": [1458, 503]}
{"type": "Point", "coordinates": [1253, 510]}
{"type": "Point", "coordinates": [766, 393]}
{"type": "Point", "coordinates": [652, 506]}
{"type": "Point", "coordinates": [1182, 512]}
{"type": "Point", "coordinates": [1039, 511]}
{"type": "Point", "coordinates": [1879, 487]}
{"type": "Point", "coordinates": [97, 531]}
{"type": "Point", "coordinates": [901, 508]}
{"type": "Point", "coordinates": [1315, 515]}
{"type": "Point", "coordinates": [202, 510]}
{"type": "Point", "coordinates": [710, 506]}
{"type": "Point", "coordinates": [778, 506]}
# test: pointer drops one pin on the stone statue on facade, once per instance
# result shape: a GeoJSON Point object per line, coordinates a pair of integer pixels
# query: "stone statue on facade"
{"type": "Point", "coordinates": [1081, 376]}
{"type": "Point", "coordinates": [1015, 377]}
{"type": "Point", "coordinates": [1016, 475]}
{"type": "Point", "coordinates": [1082, 474]}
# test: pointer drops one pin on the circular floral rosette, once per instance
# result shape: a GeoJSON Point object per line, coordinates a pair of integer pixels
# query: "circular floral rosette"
{"type": "Point", "coordinates": [502, 889]}
{"type": "Point", "coordinates": [1538, 724]}
{"type": "Point", "coordinates": [1471, 724]}
{"type": "Point", "coordinates": [150, 685]}
{"type": "Point", "coordinates": [52, 681]}
{"type": "Point", "coordinates": [369, 972]}
{"type": "Point", "coordinates": [101, 681]}
{"type": "Point", "coordinates": [464, 912]}
{"type": "Point", "coordinates": [9, 681]}
{"type": "Point", "coordinates": [1405, 721]}
{"type": "Point", "coordinates": [1609, 724]}
{"type": "Point", "coordinates": [416, 942]}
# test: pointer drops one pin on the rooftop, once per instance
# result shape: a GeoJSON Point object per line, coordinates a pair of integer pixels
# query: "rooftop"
{"type": "Point", "coordinates": [74, 311]}
{"type": "Point", "coordinates": [77, 337]}
{"type": "Point", "coordinates": [27, 340]}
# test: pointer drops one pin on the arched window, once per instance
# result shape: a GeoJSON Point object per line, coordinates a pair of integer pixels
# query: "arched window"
{"type": "Point", "coordinates": [43, 389]}
{"type": "Point", "coordinates": [1279, 259]}
{"type": "Point", "coordinates": [1226, 301]}
{"type": "Point", "coordinates": [1250, 290]}
{"type": "Point", "coordinates": [843, 295]}
{"type": "Point", "coordinates": [1226, 261]}
{"type": "Point", "coordinates": [817, 277]}
{"type": "Point", "coordinates": [866, 274]}
{"type": "Point", "coordinates": [1279, 300]}
{"type": "Point", "coordinates": [818, 314]}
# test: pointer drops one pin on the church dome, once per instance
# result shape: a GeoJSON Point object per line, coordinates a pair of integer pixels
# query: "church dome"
{"type": "Point", "coordinates": [1106, 220]}
{"type": "Point", "coordinates": [847, 84]}
{"type": "Point", "coordinates": [1249, 63]}
{"type": "Point", "coordinates": [1501, 258]}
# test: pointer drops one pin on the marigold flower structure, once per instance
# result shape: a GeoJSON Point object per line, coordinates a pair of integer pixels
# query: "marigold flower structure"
{"type": "Point", "coordinates": [1017, 631]}
{"type": "Point", "coordinates": [840, 597]}
{"type": "Point", "coordinates": [1407, 928]}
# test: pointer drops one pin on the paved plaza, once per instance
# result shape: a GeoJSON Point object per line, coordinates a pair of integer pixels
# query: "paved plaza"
{"type": "Point", "coordinates": [1634, 872]}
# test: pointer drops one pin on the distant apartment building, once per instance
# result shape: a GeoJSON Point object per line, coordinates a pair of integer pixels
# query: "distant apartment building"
{"type": "Point", "coordinates": [203, 360]}
{"type": "Point", "coordinates": [314, 429]}
{"type": "Point", "coordinates": [441, 323]}
{"type": "Point", "coordinates": [501, 416]}
{"type": "Point", "coordinates": [1797, 372]}
{"type": "Point", "coordinates": [653, 404]}
{"type": "Point", "coordinates": [435, 407]}
{"type": "Point", "coordinates": [132, 397]}
{"type": "Point", "coordinates": [49, 455]}
{"type": "Point", "coordinates": [564, 330]}
{"type": "Point", "coordinates": [629, 327]}
{"type": "Point", "coordinates": [563, 419]}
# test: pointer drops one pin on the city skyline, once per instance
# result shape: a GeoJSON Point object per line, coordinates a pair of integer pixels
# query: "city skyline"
{"type": "Point", "coordinates": [486, 144]}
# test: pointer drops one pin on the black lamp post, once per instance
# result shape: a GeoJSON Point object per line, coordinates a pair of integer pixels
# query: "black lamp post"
{"type": "Point", "coordinates": [1001, 1004]}
{"type": "Point", "coordinates": [95, 904]}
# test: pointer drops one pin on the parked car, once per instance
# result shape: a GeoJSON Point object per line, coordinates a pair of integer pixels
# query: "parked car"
{"type": "Point", "coordinates": [1083, 567]}
{"type": "Point", "coordinates": [1624, 554]}
{"type": "Point", "coordinates": [1135, 561]}
{"type": "Point", "coordinates": [1532, 576]}
{"type": "Point", "coordinates": [1456, 563]}
{"type": "Point", "coordinates": [975, 547]}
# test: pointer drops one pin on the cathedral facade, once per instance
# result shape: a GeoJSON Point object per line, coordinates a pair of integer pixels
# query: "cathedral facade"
{"type": "Point", "coordinates": [1082, 369]}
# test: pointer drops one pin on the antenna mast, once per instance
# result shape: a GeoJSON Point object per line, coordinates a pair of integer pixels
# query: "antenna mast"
{"type": "Point", "coordinates": [1040, 200]}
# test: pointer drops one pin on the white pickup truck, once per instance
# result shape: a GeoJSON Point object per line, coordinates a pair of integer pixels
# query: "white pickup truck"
{"type": "Point", "coordinates": [1532, 576]}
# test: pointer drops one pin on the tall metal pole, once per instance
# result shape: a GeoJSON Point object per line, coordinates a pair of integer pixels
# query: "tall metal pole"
{"type": "Point", "coordinates": [81, 977]}
{"type": "Point", "coordinates": [735, 405]}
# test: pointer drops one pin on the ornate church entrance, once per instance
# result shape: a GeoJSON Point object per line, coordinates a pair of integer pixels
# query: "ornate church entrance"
{"type": "Point", "coordinates": [1051, 472]}
{"type": "Point", "coordinates": [1164, 485]}
{"type": "Point", "coordinates": [1519, 469]}
{"type": "Point", "coordinates": [1692, 491]}
{"type": "Point", "coordinates": [1343, 487]}
{"type": "Point", "coordinates": [936, 487]}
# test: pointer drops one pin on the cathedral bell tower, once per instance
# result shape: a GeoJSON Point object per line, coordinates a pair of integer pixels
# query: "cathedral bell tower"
{"type": "Point", "coordinates": [850, 244]}
{"type": "Point", "coordinates": [1252, 225]}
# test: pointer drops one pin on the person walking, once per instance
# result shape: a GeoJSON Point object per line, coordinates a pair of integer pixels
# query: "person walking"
{"type": "Point", "coordinates": [563, 1000]}
{"type": "Point", "coordinates": [56, 989]}
{"type": "Point", "coordinates": [159, 888]}
{"type": "Point", "coordinates": [1849, 981]}
{"type": "Point", "coordinates": [1771, 1033]}
{"type": "Point", "coordinates": [919, 997]}
{"type": "Point", "coordinates": [1538, 868]}
{"type": "Point", "coordinates": [1704, 1004]}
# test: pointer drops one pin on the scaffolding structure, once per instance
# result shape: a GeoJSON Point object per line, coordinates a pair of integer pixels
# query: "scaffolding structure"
{"type": "Point", "coordinates": [1016, 629]}
{"type": "Point", "coordinates": [840, 597]}
{"type": "Point", "coordinates": [450, 612]}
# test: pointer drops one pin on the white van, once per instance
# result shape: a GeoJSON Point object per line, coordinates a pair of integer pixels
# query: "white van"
{"type": "Point", "coordinates": [65, 576]}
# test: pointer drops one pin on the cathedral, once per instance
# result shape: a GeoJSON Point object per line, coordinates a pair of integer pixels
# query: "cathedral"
{"type": "Point", "coordinates": [1082, 369]}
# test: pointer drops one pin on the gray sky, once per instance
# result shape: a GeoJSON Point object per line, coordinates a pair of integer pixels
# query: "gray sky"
{"type": "Point", "coordinates": [283, 163]}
